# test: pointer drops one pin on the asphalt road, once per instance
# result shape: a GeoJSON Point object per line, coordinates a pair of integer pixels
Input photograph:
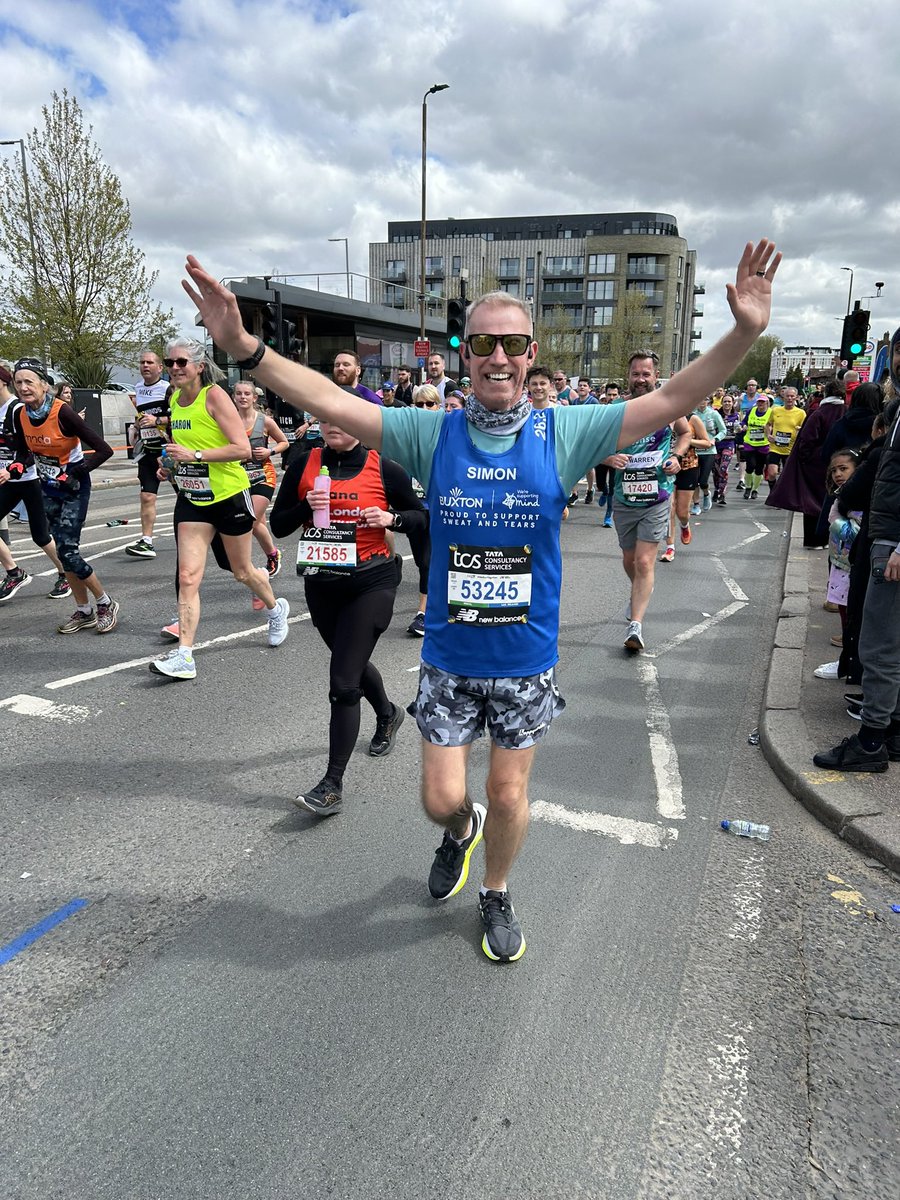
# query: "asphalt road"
{"type": "Point", "coordinates": [255, 1004]}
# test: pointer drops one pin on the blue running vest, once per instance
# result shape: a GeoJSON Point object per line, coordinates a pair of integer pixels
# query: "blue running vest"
{"type": "Point", "coordinates": [496, 565]}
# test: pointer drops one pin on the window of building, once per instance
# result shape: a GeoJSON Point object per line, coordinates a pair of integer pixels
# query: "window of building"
{"type": "Point", "coordinates": [601, 264]}
{"type": "Point", "coordinates": [434, 264]}
{"type": "Point", "coordinates": [510, 285]}
{"type": "Point", "coordinates": [601, 315]}
{"type": "Point", "coordinates": [647, 286]}
{"type": "Point", "coordinates": [564, 265]}
{"type": "Point", "coordinates": [529, 266]}
{"type": "Point", "coordinates": [395, 268]}
{"type": "Point", "coordinates": [561, 285]}
{"type": "Point", "coordinates": [680, 267]}
{"type": "Point", "coordinates": [529, 290]}
{"type": "Point", "coordinates": [643, 264]}
{"type": "Point", "coordinates": [601, 289]}
{"type": "Point", "coordinates": [456, 264]}
{"type": "Point", "coordinates": [509, 267]}
{"type": "Point", "coordinates": [393, 296]}
{"type": "Point", "coordinates": [571, 312]}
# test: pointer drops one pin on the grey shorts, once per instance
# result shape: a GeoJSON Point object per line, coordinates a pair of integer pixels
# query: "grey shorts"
{"type": "Point", "coordinates": [453, 710]}
{"type": "Point", "coordinates": [641, 523]}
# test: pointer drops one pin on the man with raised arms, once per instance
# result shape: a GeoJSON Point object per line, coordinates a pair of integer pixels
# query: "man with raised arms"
{"type": "Point", "coordinates": [496, 477]}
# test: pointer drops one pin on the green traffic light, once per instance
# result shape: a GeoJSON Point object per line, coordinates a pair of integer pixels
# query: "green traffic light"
{"type": "Point", "coordinates": [454, 342]}
{"type": "Point", "coordinates": [856, 348]}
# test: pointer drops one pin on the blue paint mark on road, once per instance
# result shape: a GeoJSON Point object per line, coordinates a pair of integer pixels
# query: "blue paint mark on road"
{"type": "Point", "coordinates": [24, 940]}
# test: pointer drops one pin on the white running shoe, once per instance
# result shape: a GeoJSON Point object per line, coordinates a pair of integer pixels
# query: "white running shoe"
{"type": "Point", "coordinates": [175, 665]}
{"type": "Point", "coordinates": [827, 671]}
{"type": "Point", "coordinates": [278, 622]}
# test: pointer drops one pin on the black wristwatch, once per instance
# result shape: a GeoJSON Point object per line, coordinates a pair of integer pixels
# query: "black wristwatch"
{"type": "Point", "coordinates": [247, 364]}
{"type": "Point", "coordinates": [397, 523]}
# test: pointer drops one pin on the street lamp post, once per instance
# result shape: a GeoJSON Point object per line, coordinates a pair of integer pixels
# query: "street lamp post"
{"type": "Point", "coordinates": [346, 242]}
{"type": "Point", "coordinates": [435, 87]}
{"type": "Point", "coordinates": [20, 142]}
{"type": "Point", "coordinates": [850, 293]}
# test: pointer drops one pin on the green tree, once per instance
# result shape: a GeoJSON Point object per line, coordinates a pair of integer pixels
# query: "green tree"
{"type": "Point", "coordinates": [631, 329]}
{"type": "Point", "coordinates": [93, 309]}
{"type": "Point", "coordinates": [756, 363]}
{"type": "Point", "coordinates": [794, 377]}
{"type": "Point", "coordinates": [560, 345]}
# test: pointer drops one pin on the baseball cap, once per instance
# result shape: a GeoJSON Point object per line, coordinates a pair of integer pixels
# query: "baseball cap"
{"type": "Point", "coordinates": [387, 386]}
{"type": "Point", "coordinates": [466, 380]}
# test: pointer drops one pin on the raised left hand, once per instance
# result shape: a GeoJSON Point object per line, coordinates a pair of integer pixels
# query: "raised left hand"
{"type": "Point", "coordinates": [750, 296]}
{"type": "Point", "coordinates": [219, 311]}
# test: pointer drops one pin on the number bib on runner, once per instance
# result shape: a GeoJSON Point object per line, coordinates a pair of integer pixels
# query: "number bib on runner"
{"type": "Point", "coordinates": [192, 478]}
{"type": "Point", "coordinates": [782, 438]}
{"type": "Point", "coordinates": [47, 468]}
{"type": "Point", "coordinates": [327, 550]}
{"type": "Point", "coordinates": [639, 479]}
{"type": "Point", "coordinates": [489, 585]}
{"type": "Point", "coordinates": [256, 471]}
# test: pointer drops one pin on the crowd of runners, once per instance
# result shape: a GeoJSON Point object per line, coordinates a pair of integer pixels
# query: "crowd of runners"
{"type": "Point", "coordinates": [364, 468]}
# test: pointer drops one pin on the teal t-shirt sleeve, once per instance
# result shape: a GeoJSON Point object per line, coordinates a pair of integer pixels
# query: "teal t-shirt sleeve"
{"type": "Point", "coordinates": [410, 436]}
{"type": "Point", "coordinates": [585, 435]}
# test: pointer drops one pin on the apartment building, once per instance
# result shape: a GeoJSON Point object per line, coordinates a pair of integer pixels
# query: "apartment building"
{"type": "Point", "coordinates": [575, 268]}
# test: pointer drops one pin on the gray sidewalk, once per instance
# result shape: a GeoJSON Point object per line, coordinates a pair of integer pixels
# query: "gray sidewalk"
{"type": "Point", "coordinates": [802, 714]}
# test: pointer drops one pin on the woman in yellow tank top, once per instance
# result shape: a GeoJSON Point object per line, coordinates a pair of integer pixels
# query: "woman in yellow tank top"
{"type": "Point", "coordinates": [204, 458]}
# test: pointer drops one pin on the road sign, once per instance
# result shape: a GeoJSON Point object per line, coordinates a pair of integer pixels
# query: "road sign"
{"type": "Point", "coordinates": [421, 362]}
{"type": "Point", "coordinates": [422, 350]}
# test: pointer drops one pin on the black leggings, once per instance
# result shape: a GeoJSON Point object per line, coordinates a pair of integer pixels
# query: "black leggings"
{"type": "Point", "coordinates": [420, 545]}
{"type": "Point", "coordinates": [29, 492]}
{"type": "Point", "coordinates": [350, 622]}
{"type": "Point", "coordinates": [707, 462]}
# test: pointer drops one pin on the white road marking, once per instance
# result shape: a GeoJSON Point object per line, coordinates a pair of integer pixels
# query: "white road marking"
{"type": "Point", "coordinates": [728, 1070]}
{"type": "Point", "coordinates": [623, 829]}
{"type": "Point", "coordinates": [732, 584]}
{"type": "Point", "coordinates": [664, 756]}
{"type": "Point", "coordinates": [748, 900]}
{"type": "Point", "coordinates": [722, 615]}
{"type": "Point", "coordinates": [121, 539]}
{"type": "Point", "coordinates": [135, 533]}
{"type": "Point", "coordinates": [40, 706]}
{"type": "Point", "coordinates": [142, 662]}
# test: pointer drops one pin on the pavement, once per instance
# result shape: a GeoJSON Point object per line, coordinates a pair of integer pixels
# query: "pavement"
{"type": "Point", "coordinates": [802, 715]}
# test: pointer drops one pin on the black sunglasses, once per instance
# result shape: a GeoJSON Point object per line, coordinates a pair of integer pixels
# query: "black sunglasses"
{"type": "Point", "coordinates": [514, 344]}
{"type": "Point", "coordinates": [425, 403]}
{"type": "Point", "coordinates": [180, 363]}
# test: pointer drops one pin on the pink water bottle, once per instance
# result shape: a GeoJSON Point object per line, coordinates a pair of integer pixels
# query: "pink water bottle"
{"type": "Point", "coordinates": [322, 516]}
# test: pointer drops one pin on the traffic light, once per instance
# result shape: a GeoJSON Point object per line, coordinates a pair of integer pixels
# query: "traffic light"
{"type": "Point", "coordinates": [291, 345]}
{"type": "Point", "coordinates": [856, 330]}
{"type": "Point", "coordinates": [456, 323]}
{"type": "Point", "coordinates": [270, 325]}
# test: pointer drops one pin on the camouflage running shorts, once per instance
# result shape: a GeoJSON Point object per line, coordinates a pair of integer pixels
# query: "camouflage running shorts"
{"type": "Point", "coordinates": [453, 710]}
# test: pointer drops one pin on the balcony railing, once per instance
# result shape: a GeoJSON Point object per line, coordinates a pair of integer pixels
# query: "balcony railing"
{"type": "Point", "coordinates": [645, 271]}
{"type": "Point", "coordinates": [572, 295]}
{"type": "Point", "coordinates": [696, 334]}
{"type": "Point", "coordinates": [696, 312]}
{"type": "Point", "coordinates": [509, 273]}
{"type": "Point", "coordinates": [699, 289]}
{"type": "Point", "coordinates": [551, 272]}
{"type": "Point", "coordinates": [394, 274]}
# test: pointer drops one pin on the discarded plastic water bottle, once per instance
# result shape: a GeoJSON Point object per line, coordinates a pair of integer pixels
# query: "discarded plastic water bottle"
{"type": "Point", "coordinates": [753, 738]}
{"type": "Point", "coordinates": [117, 521]}
{"type": "Point", "coordinates": [747, 829]}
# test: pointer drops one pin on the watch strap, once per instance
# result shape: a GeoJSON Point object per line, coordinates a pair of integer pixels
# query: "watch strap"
{"type": "Point", "coordinates": [247, 364]}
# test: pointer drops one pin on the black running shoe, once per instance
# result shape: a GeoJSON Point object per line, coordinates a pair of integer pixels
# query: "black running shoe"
{"type": "Point", "coordinates": [503, 940]}
{"type": "Point", "coordinates": [854, 699]}
{"type": "Point", "coordinates": [450, 868]}
{"type": "Point", "coordinates": [324, 799]}
{"type": "Point", "coordinates": [386, 728]}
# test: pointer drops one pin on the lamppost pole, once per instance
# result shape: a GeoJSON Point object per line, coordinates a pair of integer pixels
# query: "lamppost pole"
{"type": "Point", "coordinates": [20, 142]}
{"type": "Point", "coordinates": [346, 242]}
{"type": "Point", "coordinates": [850, 293]}
{"type": "Point", "coordinates": [435, 87]}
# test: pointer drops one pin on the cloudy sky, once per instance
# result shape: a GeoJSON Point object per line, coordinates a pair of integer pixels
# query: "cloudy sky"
{"type": "Point", "coordinates": [251, 131]}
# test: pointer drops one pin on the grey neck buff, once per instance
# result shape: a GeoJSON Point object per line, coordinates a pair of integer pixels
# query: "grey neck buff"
{"type": "Point", "coordinates": [498, 424]}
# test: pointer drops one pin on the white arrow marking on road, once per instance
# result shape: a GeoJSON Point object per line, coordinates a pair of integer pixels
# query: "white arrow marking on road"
{"type": "Point", "coordinates": [733, 586]}
{"type": "Point", "coordinates": [39, 706]}
{"type": "Point", "coordinates": [722, 615]}
{"type": "Point", "coordinates": [623, 829]}
{"type": "Point", "coordinates": [669, 794]}
{"type": "Point", "coordinates": [142, 662]}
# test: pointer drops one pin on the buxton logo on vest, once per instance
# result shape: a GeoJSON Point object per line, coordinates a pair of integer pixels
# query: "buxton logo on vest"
{"type": "Point", "coordinates": [457, 499]}
{"type": "Point", "coordinates": [491, 473]}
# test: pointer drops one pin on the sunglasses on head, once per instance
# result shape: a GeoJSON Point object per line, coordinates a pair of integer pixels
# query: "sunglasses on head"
{"type": "Point", "coordinates": [425, 403]}
{"type": "Point", "coordinates": [180, 363]}
{"type": "Point", "coordinates": [514, 344]}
